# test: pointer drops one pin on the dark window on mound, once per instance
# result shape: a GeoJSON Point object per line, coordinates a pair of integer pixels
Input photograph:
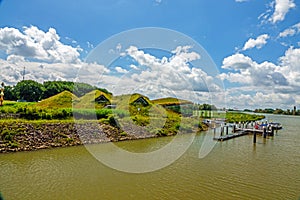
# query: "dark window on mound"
{"type": "Point", "coordinates": [141, 101]}
{"type": "Point", "coordinates": [101, 99]}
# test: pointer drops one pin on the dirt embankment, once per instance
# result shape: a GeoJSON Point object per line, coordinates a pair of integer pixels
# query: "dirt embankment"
{"type": "Point", "coordinates": [26, 136]}
{"type": "Point", "coordinates": [33, 135]}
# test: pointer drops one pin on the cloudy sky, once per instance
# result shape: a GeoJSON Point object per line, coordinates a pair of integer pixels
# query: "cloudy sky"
{"type": "Point", "coordinates": [236, 53]}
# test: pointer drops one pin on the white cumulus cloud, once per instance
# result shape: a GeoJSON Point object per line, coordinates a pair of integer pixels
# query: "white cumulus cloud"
{"type": "Point", "coordinates": [260, 99]}
{"type": "Point", "coordinates": [166, 76]}
{"type": "Point", "coordinates": [259, 42]}
{"type": "Point", "coordinates": [237, 62]}
{"type": "Point", "coordinates": [281, 78]}
{"type": "Point", "coordinates": [34, 43]}
{"type": "Point", "coordinates": [290, 63]}
{"type": "Point", "coordinates": [120, 69]}
{"type": "Point", "coordinates": [249, 72]}
{"type": "Point", "coordinates": [12, 71]}
{"type": "Point", "coordinates": [295, 29]}
{"type": "Point", "coordinates": [134, 67]}
{"type": "Point", "coordinates": [278, 82]}
{"type": "Point", "coordinates": [282, 7]}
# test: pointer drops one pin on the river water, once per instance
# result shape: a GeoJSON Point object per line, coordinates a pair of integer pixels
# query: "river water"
{"type": "Point", "coordinates": [234, 169]}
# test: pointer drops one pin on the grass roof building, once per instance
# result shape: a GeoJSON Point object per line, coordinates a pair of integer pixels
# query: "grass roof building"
{"type": "Point", "coordinates": [94, 99]}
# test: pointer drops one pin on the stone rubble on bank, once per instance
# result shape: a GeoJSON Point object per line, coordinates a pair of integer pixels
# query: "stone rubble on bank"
{"type": "Point", "coordinates": [25, 136]}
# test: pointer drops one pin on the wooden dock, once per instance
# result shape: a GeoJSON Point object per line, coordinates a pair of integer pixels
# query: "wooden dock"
{"type": "Point", "coordinates": [251, 130]}
{"type": "Point", "coordinates": [241, 131]}
{"type": "Point", "coordinates": [230, 136]}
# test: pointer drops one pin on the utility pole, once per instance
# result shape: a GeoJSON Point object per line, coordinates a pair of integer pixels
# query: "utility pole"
{"type": "Point", "coordinates": [24, 73]}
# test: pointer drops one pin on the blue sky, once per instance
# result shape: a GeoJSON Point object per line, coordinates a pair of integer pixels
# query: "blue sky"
{"type": "Point", "coordinates": [254, 44]}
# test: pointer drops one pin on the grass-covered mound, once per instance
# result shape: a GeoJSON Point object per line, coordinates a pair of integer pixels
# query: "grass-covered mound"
{"type": "Point", "coordinates": [126, 100]}
{"type": "Point", "coordinates": [133, 107]}
{"type": "Point", "coordinates": [56, 107]}
{"type": "Point", "coordinates": [64, 99]}
{"type": "Point", "coordinates": [95, 99]}
{"type": "Point", "coordinates": [183, 107]}
{"type": "Point", "coordinates": [155, 118]}
{"type": "Point", "coordinates": [170, 101]}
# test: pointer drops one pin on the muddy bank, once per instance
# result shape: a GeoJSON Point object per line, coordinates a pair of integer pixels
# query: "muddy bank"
{"type": "Point", "coordinates": [33, 135]}
{"type": "Point", "coordinates": [25, 136]}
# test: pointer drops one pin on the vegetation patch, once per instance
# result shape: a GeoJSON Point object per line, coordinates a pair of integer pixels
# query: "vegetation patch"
{"type": "Point", "coordinates": [235, 117]}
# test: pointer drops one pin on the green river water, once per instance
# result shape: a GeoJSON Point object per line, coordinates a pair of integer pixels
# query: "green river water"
{"type": "Point", "coordinates": [234, 169]}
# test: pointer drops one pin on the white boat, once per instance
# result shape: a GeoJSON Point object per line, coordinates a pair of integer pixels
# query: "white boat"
{"type": "Point", "coordinates": [276, 125]}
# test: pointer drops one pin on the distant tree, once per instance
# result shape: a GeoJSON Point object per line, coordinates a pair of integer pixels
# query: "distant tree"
{"type": "Point", "coordinates": [207, 107]}
{"type": "Point", "coordinates": [278, 111]}
{"type": "Point", "coordinates": [213, 107]}
{"type": "Point", "coordinates": [54, 87]}
{"type": "Point", "coordinates": [269, 110]}
{"type": "Point", "coordinates": [79, 89]}
{"type": "Point", "coordinates": [29, 90]}
{"type": "Point", "coordinates": [9, 93]}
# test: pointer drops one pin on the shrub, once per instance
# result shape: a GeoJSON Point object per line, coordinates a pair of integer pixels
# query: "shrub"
{"type": "Point", "coordinates": [7, 135]}
{"type": "Point", "coordinates": [112, 121]}
{"type": "Point", "coordinates": [141, 120]}
{"type": "Point", "coordinates": [13, 144]}
{"type": "Point", "coordinates": [123, 134]}
{"type": "Point", "coordinates": [161, 132]}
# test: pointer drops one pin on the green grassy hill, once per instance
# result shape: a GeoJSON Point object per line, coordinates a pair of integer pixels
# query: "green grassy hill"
{"type": "Point", "coordinates": [123, 101]}
{"type": "Point", "coordinates": [170, 101]}
{"type": "Point", "coordinates": [89, 100]}
{"type": "Point", "coordinates": [61, 100]}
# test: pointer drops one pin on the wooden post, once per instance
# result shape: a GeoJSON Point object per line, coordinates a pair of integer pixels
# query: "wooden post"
{"type": "Point", "coordinates": [226, 129]}
{"type": "Point", "coordinates": [254, 137]}
{"type": "Point", "coordinates": [272, 130]}
{"type": "Point", "coordinates": [265, 132]}
{"type": "Point", "coordinates": [222, 130]}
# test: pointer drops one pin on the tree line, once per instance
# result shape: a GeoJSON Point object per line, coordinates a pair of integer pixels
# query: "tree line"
{"type": "Point", "coordinates": [278, 111]}
{"type": "Point", "coordinates": [32, 91]}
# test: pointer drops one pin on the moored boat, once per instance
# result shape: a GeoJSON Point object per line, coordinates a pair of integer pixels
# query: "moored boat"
{"type": "Point", "coordinates": [276, 125]}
